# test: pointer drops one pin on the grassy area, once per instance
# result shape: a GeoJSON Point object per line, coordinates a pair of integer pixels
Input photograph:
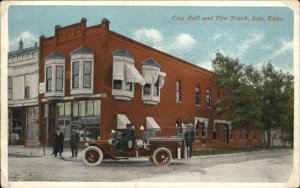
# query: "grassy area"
{"type": "Point", "coordinates": [216, 151]}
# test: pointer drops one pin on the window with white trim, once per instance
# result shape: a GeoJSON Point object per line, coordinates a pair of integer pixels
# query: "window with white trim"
{"type": "Point", "coordinates": [208, 98]}
{"type": "Point", "coordinates": [154, 80]}
{"type": "Point", "coordinates": [55, 74]}
{"type": "Point", "coordinates": [197, 95]}
{"type": "Point", "coordinates": [125, 75]}
{"type": "Point", "coordinates": [87, 74]}
{"type": "Point", "coordinates": [82, 71]}
{"type": "Point", "coordinates": [59, 78]}
{"type": "Point", "coordinates": [49, 78]}
{"type": "Point", "coordinates": [147, 89]}
{"type": "Point", "coordinates": [75, 74]}
{"type": "Point", "coordinates": [27, 86]}
{"type": "Point", "coordinates": [178, 92]}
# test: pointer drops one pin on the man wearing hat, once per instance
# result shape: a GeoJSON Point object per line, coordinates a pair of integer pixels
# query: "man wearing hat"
{"type": "Point", "coordinates": [58, 143]}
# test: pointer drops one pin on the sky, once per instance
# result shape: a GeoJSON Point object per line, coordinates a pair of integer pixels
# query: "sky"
{"type": "Point", "coordinates": [192, 33]}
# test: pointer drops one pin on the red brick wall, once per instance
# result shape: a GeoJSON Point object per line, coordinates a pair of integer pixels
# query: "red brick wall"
{"type": "Point", "coordinates": [103, 42]}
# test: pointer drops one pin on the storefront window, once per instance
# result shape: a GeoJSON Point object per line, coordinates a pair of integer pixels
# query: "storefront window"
{"type": "Point", "coordinates": [68, 109]}
{"type": "Point", "coordinates": [97, 107]}
{"type": "Point", "coordinates": [32, 126]}
{"type": "Point", "coordinates": [90, 108]}
{"type": "Point", "coordinates": [82, 108]}
{"type": "Point", "coordinates": [61, 109]}
{"type": "Point", "coordinates": [75, 109]}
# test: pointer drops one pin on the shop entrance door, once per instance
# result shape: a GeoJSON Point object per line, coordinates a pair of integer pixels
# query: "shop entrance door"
{"type": "Point", "coordinates": [16, 128]}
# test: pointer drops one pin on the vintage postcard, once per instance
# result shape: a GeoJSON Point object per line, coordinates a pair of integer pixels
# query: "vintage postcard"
{"type": "Point", "coordinates": [149, 94]}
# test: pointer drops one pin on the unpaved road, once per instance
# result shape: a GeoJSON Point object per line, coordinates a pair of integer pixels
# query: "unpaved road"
{"type": "Point", "coordinates": [261, 166]}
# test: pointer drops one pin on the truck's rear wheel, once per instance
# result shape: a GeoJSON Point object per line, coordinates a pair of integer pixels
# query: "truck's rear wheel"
{"type": "Point", "coordinates": [92, 156]}
{"type": "Point", "coordinates": [162, 156]}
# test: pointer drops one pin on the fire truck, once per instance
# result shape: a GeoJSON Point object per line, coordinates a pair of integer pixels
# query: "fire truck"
{"type": "Point", "coordinates": [161, 147]}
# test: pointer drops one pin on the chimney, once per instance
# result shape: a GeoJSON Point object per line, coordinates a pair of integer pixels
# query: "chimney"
{"type": "Point", "coordinates": [21, 45]}
{"type": "Point", "coordinates": [106, 22]}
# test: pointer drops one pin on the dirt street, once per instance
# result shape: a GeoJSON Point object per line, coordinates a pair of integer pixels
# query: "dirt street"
{"type": "Point", "coordinates": [262, 166]}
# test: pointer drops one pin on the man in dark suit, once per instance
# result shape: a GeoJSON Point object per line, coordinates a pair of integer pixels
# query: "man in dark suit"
{"type": "Point", "coordinates": [189, 136]}
{"type": "Point", "coordinates": [58, 142]}
{"type": "Point", "coordinates": [74, 141]}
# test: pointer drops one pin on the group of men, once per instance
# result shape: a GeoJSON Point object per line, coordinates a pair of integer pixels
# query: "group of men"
{"type": "Point", "coordinates": [59, 143]}
{"type": "Point", "coordinates": [128, 135]}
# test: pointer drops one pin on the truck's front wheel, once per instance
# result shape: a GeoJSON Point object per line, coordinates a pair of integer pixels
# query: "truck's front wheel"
{"type": "Point", "coordinates": [162, 156]}
{"type": "Point", "coordinates": [92, 156]}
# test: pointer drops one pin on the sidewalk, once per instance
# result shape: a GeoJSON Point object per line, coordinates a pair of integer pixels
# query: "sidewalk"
{"type": "Point", "coordinates": [22, 151]}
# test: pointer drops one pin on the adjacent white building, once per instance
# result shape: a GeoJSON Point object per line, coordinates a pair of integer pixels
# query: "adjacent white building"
{"type": "Point", "coordinates": [23, 78]}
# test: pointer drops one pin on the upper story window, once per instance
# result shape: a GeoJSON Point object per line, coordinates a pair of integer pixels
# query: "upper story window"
{"type": "Point", "coordinates": [49, 78]}
{"type": "Point", "coordinates": [27, 86]}
{"type": "Point", "coordinates": [75, 74]}
{"type": "Point", "coordinates": [10, 88]}
{"type": "Point", "coordinates": [59, 78]}
{"type": "Point", "coordinates": [208, 98]}
{"type": "Point", "coordinates": [55, 74]}
{"type": "Point", "coordinates": [87, 74]}
{"type": "Point", "coordinates": [82, 71]}
{"type": "Point", "coordinates": [125, 75]}
{"type": "Point", "coordinates": [178, 92]}
{"type": "Point", "coordinates": [154, 80]}
{"type": "Point", "coordinates": [197, 95]}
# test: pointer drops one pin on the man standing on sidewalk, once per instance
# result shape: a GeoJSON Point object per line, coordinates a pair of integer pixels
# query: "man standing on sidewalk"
{"type": "Point", "coordinates": [58, 142]}
{"type": "Point", "coordinates": [74, 141]}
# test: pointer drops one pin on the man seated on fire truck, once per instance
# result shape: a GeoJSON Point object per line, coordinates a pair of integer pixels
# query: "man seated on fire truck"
{"type": "Point", "coordinates": [121, 137]}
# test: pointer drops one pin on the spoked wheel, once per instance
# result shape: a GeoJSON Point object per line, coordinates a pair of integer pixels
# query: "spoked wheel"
{"type": "Point", "coordinates": [92, 156]}
{"type": "Point", "coordinates": [162, 156]}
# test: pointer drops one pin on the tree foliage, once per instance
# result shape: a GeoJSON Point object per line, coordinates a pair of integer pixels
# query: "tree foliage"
{"type": "Point", "coordinates": [255, 99]}
{"type": "Point", "coordinates": [241, 96]}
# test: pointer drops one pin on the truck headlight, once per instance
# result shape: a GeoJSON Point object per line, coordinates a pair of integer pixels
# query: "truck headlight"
{"type": "Point", "coordinates": [87, 144]}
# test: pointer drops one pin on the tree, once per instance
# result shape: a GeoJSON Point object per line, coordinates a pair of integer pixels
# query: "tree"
{"type": "Point", "coordinates": [277, 101]}
{"type": "Point", "coordinates": [240, 83]}
{"type": "Point", "coordinates": [255, 99]}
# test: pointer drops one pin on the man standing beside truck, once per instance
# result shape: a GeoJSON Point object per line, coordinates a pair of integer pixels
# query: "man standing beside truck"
{"type": "Point", "coordinates": [189, 137]}
{"type": "Point", "coordinates": [74, 141]}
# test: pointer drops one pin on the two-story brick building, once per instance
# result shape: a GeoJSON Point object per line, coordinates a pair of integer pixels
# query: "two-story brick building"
{"type": "Point", "coordinates": [96, 80]}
